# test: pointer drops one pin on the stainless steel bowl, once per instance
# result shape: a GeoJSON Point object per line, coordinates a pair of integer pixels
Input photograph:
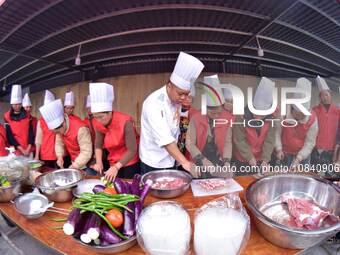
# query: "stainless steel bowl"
{"type": "Point", "coordinates": [263, 199]}
{"type": "Point", "coordinates": [29, 204]}
{"type": "Point", "coordinates": [9, 193]}
{"type": "Point", "coordinates": [57, 185]}
{"type": "Point", "coordinates": [112, 248]}
{"type": "Point", "coordinates": [167, 193]}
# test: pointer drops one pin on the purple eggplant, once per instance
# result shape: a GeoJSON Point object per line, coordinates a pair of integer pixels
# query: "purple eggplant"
{"type": "Point", "coordinates": [79, 229]}
{"type": "Point", "coordinates": [90, 222]}
{"type": "Point", "coordinates": [145, 191]}
{"type": "Point", "coordinates": [72, 220]}
{"type": "Point", "coordinates": [135, 185]}
{"type": "Point", "coordinates": [104, 243]}
{"type": "Point", "coordinates": [120, 186]}
{"type": "Point", "coordinates": [98, 188]}
{"type": "Point", "coordinates": [129, 217]}
{"type": "Point", "coordinates": [94, 230]}
{"type": "Point", "coordinates": [108, 236]}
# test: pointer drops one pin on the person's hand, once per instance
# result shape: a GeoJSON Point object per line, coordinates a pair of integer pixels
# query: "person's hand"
{"type": "Point", "coordinates": [206, 163]}
{"type": "Point", "coordinates": [264, 167]}
{"type": "Point", "coordinates": [36, 157]}
{"type": "Point", "coordinates": [295, 164]}
{"type": "Point", "coordinates": [111, 174]}
{"type": "Point", "coordinates": [191, 168]}
{"type": "Point", "coordinates": [60, 162]}
{"type": "Point", "coordinates": [98, 167]}
{"type": "Point", "coordinates": [74, 166]}
{"type": "Point", "coordinates": [280, 155]}
{"type": "Point", "coordinates": [252, 162]}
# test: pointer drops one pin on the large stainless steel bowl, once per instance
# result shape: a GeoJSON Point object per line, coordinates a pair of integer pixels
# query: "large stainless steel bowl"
{"type": "Point", "coordinates": [167, 193]}
{"type": "Point", "coordinates": [112, 248]}
{"type": "Point", "coordinates": [57, 185]}
{"type": "Point", "coordinates": [9, 193]}
{"type": "Point", "coordinates": [30, 205]}
{"type": "Point", "coordinates": [263, 199]}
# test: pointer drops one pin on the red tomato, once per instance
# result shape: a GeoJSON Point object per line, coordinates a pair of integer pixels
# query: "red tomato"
{"type": "Point", "coordinates": [115, 217]}
{"type": "Point", "coordinates": [110, 191]}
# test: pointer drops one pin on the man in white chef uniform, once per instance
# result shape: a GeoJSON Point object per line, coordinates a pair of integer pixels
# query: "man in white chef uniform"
{"type": "Point", "coordinates": [160, 118]}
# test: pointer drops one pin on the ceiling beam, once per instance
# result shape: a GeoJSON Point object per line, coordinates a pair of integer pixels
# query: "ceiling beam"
{"type": "Point", "coordinates": [271, 21]}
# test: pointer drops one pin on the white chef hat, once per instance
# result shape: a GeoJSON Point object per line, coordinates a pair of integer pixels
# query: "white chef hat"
{"type": "Point", "coordinates": [53, 113]}
{"type": "Point", "coordinates": [263, 98]}
{"type": "Point", "coordinates": [16, 94]}
{"type": "Point", "coordinates": [88, 101]}
{"type": "Point", "coordinates": [186, 71]}
{"type": "Point", "coordinates": [306, 85]}
{"type": "Point", "coordinates": [26, 101]}
{"type": "Point", "coordinates": [102, 97]}
{"type": "Point", "coordinates": [321, 83]}
{"type": "Point", "coordinates": [69, 99]}
{"type": "Point", "coordinates": [212, 91]}
{"type": "Point", "coordinates": [49, 97]}
{"type": "Point", "coordinates": [227, 92]}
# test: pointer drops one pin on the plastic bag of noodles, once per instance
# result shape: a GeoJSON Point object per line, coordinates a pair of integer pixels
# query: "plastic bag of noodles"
{"type": "Point", "coordinates": [222, 226]}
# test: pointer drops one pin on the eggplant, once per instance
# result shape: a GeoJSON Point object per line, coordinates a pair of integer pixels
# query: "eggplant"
{"type": "Point", "coordinates": [94, 230]}
{"type": "Point", "coordinates": [129, 218]}
{"type": "Point", "coordinates": [108, 236]}
{"type": "Point", "coordinates": [79, 229]}
{"type": "Point", "coordinates": [135, 185]}
{"type": "Point", "coordinates": [98, 188]}
{"type": "Point", "coordinates": [120, 186]}
{"type": "Point", "coordinates": [91, 220]}
{"type": "Point", "coordinates": [104, 243]}
{"type": "Point", "coordinates": [72, 220]}
{"type": "Point", "coordinates": [143, 194]}
{"type": "Point", "coordinates": [145, 191]}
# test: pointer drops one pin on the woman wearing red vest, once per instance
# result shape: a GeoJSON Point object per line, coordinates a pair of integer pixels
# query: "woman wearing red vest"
{"type": "Point", "coordinates": [45, 138]}
{"type": "Point", "coordinates": [115, 132]}
{"type": "Point", "coordinates": [3, 142]}
{"type": "Point", "coordinates": [210, 144]}
{"type": "Point", "coordinates": [297, 141]}
{"type": "Point", "coordinates": [254, 135]}
{"type": "Point", "coordinates": [19, 129]}
{"type": "Point", "coordinates": [72, 136]}
{"type": "Point", "coordinates": [327, 114]}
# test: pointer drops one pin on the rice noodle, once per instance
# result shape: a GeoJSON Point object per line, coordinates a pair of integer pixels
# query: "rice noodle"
{"type": "Point", "coordinates": [164, 229]}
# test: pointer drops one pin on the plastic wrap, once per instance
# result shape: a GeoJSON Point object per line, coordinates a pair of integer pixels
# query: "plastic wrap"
{"type": "Point", "coordinates": [222, 226]}
{"type": "Point", "coordinates": [14, 168]}
{"type": "Point", "coordinates": [164, 229]}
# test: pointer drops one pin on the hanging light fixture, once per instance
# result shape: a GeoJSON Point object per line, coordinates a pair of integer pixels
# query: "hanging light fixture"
{"type": "Point", "coordinates": [78, 60]}
{"type": "Point", "coordinates": [260, 51]}
{"type": "Point", "coordinates": [2, 2]}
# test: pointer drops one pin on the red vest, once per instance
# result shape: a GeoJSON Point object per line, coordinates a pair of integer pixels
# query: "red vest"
{"type": "Point", "coordinates": [90, 125]}
{"type": "Point", "coordinates": [255, 142]}
{"type": "Point", "coordinates": [3, 142]}
{"type": "Point", "coordinates": [221, 131]}
{"type": "Point", "coordinates": [293, 138]}
{"type": "Point", "coordinates": [20, 130]}
{"type": "Point", "coordinates": [328, 126]}
{"type": "Point", "coordinates": [70, 138]}
{"type": "Point", "coordinates": [114, 140]}
{"type": "Point", "coordinates": [47, 149]}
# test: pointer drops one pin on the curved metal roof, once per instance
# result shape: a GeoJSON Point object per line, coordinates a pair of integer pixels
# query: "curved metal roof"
{"type": "Point", "coordinates": [40, 39]}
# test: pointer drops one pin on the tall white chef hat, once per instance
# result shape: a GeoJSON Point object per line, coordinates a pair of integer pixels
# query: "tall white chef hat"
{"type": "Point", "coordinates": [263, 98]}
{"type": "Point", "coordinates": [16, 94]}
{"type": "Point", "coordinates": [26, 101]}
{"type": "Point", "coordinates": [102, 97]}
{"type": "Point", "coordinates": [213, 91]}
{"type": "Point", "coordinates": [53, 113]}
{"type": "Point", "coordinates": [69, 99]}
{"type": "Point", "coordinates": [321, 83]}
{"type": "Point", "coordinates": [49, 97]}
{"type": "Point", "coordinates": [186, 71]}
{"type": "Point", "coordinates": [306, 85]}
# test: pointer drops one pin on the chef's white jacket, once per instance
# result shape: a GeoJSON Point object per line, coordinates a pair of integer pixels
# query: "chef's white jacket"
{"type": "Point", "coordinates": [159, 127]}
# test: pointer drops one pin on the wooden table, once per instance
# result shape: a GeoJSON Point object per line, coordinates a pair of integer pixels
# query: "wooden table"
{"type": "Point", "coordinates": [42, 228]}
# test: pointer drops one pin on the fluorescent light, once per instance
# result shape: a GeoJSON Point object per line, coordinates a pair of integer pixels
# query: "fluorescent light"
{"type": "Point", "coordinates": [2, 2]}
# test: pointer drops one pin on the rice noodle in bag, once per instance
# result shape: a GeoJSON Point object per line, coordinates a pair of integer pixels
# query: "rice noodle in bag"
{"type": "Point", "coordinates": [164, 229]}
{"type": "Point", "coordinates": [222, 227]}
